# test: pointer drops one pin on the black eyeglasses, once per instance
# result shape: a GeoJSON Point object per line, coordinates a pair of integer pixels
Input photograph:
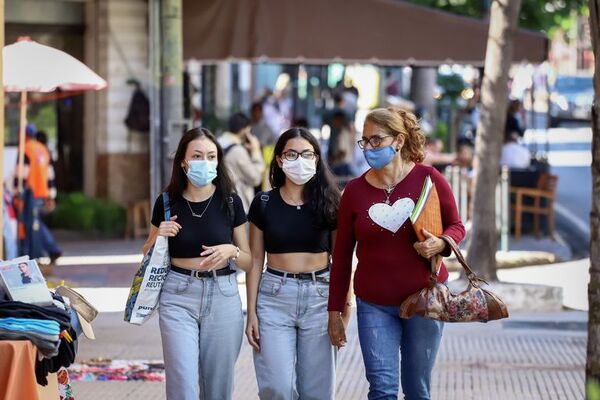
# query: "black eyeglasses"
{"type": "Point", "coordinates": [374, 141]}
{"type": "Point", "coordinates": [292, 155]}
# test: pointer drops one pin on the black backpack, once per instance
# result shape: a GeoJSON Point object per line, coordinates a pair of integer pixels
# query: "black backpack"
{"type": "Point", "coordinates": [138, 115]}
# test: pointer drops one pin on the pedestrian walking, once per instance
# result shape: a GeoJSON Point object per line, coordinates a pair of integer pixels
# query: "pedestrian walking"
{"type": "Point", "coordinates": [243, 157]}
{"type": "Point", "coordinates": [294, 224]}
{"type": "Point", "coordinates": [200, 312]}
{"type": "Point", "coordinates": [38, 196]}
{"type": "Point", "coordinates": [392, 264]}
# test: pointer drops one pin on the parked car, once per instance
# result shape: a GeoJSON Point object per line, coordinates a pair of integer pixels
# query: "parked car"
{"type": "Point", "coordinates": [571, 98]}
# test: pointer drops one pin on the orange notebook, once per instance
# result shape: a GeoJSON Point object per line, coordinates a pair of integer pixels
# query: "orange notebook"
{"type": "Point", "coordinates": [427, 214]}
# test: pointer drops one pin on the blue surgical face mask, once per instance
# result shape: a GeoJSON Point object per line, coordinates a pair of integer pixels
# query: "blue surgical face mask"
{"type": "Point", "coordinates": [201, 172]}
{"type": "Point", "coordinates": [380, 157]}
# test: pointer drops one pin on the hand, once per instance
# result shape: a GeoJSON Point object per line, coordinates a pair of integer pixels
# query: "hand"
{"type": "Point", "coordinates": [49, 205]}
{"type": "Point", "coordinates": [216, 255]}
{"type": "Point", "coordinates": [252, 331]}
{"type": "Point", "coordinates": [169, 228]}
{"type": "Point", "coordinates": [431, 246]}
{"type": "Point", "coordinates": [336, 329]}
{"type": "Point", "coordinates": [253, 143]}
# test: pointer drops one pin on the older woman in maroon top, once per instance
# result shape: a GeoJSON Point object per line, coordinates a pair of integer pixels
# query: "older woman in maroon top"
{"type": "Point", "coordinates": [392, 264]}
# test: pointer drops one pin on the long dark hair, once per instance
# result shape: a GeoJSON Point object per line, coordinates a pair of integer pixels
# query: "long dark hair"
{"type": "Point", "coordinates": [179, 180]}
{"type": "Point", "coordinates": [321, 192]}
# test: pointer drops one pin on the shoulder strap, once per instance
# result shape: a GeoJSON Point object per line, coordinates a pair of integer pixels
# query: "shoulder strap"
{"type": "Point", "coordinates": [228, 148]}
{"type": "Point", "coordinates": [469, 272]}
{"type": "Point", "coordinates": [166, 206]}
{"type": "Point", "coordinates": [231, 209]}
{"type": "Point", "coordinates": [264, 199]}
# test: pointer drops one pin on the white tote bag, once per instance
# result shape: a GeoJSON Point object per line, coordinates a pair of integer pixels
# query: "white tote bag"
{"type": "Point", "coordinates": [143, 297]}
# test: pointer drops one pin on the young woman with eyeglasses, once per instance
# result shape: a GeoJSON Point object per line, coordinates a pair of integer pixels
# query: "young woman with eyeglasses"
{"type": "Point", "coordinates": [392, 263]}
{"type": "Point", "coordinates": [294, 224]}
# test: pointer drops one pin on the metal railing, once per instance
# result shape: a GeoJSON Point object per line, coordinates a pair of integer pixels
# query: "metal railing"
{"type": "Point", "coordinates": [460, 182]}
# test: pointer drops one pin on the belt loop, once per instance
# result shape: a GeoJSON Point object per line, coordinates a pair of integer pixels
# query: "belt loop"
{"type": "Point", "coordinates": [285, 274]}
{"type": "Point", "coordinates": [314, 277]}
{"type": "Point", "coordinates": [214, 274]}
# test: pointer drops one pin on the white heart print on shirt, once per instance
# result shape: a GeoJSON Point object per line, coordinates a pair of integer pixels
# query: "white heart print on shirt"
{"type": "Point", "coordinates": [392, 217]}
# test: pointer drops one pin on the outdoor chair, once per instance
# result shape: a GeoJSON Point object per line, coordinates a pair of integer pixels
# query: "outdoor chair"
{"type": "Point", "coordinates": [542, 203]}
{"type": "Point", "coordinates": [138, 220]}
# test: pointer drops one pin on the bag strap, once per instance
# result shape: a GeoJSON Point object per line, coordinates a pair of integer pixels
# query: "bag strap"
{"type": "Point", "coordinates": [166, 206]}
{"type": "Point", "coordinates": [228, 148]}
{"type": "Point", "coordinates": [461, 259]}
{"type": "Point", "coordinates": [231, 209]}
{"type": "Point", "coordinates": [264, 199]}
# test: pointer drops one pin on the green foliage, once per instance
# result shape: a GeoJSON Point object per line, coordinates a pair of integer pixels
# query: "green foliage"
{"type": "Point", "coordinates": [452, 85]}
{"type": "Point", "coordinates": [214, 123]}
{"type": "Point", "coordinates": [539, 15]}
{"type": "Point", "coordinates": [44, 117]}
{"type": "Point", "coordinates": [75, 211]}
{"type": "Point", "coordinates": [593, 390]}
{"type": "Point", "coordinates": [441, 131]}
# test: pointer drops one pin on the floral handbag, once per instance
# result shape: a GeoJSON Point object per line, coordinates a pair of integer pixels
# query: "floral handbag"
{"type": "Point", "coordinates": [437, 302]}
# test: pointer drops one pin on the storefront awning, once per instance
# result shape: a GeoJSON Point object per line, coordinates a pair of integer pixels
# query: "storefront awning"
{"type": "Point", "coordinates": [386, 32]}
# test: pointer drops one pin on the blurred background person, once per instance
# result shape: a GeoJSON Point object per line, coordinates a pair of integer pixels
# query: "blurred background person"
{"type": "Point", "coordinates": [243, 157]}
{"type": "Point", "coordinates": [434, 153]}
{"type": "Point", "coordinates": [514, 155]}
{"type": "Point", "coordinates": [342, 159]}
{"type": "Point", "coordinates": [40, 181]}
{"type": "Point", "coordinates": [513, 119]}
{"type": "Point", "coordinates": [259, 127]}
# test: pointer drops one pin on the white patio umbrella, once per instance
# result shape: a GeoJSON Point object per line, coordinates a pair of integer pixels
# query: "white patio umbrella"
{"type": "Point", "coordinates": [32, 67]}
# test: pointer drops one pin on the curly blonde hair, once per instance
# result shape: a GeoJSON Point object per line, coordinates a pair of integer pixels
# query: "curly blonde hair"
{"type": "Point", "coordinates": [397, 121]}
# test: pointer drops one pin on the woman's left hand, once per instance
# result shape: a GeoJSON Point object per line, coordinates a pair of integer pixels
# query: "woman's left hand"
{"type": "Point", "coordinates": [431, 246]}
{"type": "Point", "coordinates": [216, 255]}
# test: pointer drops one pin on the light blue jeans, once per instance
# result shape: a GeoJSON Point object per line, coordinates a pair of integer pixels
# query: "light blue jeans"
{"type": "Point", "coordinates": [384, 336]}
{"type": "Point", "coordinates": [201, 326]}
{"type": "Point", "coordinates": [296, 358]}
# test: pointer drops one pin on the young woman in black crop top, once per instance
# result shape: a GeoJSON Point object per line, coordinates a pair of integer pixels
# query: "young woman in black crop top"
{"type": "Point", "coordinates": [200, 311]}
{"type": "Point", "coordinates": [287, 304]}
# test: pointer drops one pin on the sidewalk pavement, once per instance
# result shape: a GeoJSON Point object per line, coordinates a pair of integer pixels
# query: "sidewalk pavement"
{"type": "Point", "coordinates": [539, 356]}
{"type": "Point", "coordinates": [520, 358]}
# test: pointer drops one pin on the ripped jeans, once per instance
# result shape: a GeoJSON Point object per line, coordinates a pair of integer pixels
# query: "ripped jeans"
{"type": "Point", "coordinates": [386, 341]}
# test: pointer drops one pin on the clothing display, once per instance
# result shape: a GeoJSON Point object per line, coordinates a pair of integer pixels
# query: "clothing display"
{"type": "Point", "coordinates": [18, 309]}
{"type": "Point", "coordinates": [48, 328]}
{"type": "Point", "coordinates": [305, 236]}
{"type": "Point", "coordinates": [189, 241]}
{"type": "Point", "coordinates": [47, 344]}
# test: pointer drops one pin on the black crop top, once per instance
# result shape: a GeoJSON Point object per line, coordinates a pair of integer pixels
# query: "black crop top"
{"type": "Point", "coordinates": [287, 229]}
{"type": "Point", "coordinates": [212, 229]}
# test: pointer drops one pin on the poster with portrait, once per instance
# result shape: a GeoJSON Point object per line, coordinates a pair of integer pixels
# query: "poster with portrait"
{"type": "Point", "coordinates": [22, 280]}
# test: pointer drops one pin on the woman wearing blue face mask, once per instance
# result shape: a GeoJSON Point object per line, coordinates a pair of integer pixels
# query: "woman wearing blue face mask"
{"type": "Point", "coordinates": [200, 310]}
{"type": "Point", "coordinates": [287, 303]}
{"type": "Point", "coordinates": [392, 264]}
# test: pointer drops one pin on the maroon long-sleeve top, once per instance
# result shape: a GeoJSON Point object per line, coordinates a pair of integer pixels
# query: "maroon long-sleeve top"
{"type": "Point", "coordinates": [389, 268]}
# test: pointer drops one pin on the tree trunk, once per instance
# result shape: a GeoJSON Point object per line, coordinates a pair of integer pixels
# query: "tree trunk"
{"type": "Point", "coordinates": [593, 350]}
{"type": "Point", "coordinates": [490, 132]}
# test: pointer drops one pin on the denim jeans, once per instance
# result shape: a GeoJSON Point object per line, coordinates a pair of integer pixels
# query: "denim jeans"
{"type": "Point", "coordinates": [201, 326]}
{"type": "Point", "coordinates": [296, 358]}
{"type": "Point", "coordinates": [384, 336]}
{"type": "Point", "coordinates": [38, 239]}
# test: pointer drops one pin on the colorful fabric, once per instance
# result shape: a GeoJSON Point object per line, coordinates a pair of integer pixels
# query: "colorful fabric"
{"type": "Point", "coordinates": [64, 385]}
{"type": "Point", "coordinates": [118, 370]}
{"type": "Point", "coordinates": [43, 327]}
